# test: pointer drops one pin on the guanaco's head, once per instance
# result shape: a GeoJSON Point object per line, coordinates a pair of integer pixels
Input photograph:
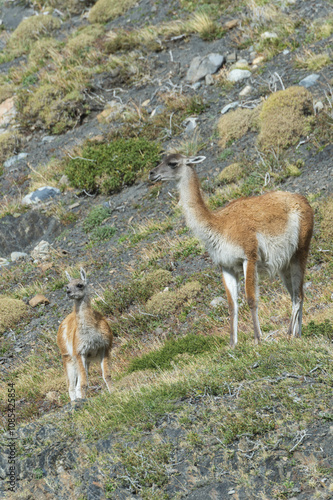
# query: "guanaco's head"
{"type": "Point", "coordinates": [173, 166]}
{"type": "Point", "coordinates": [77, 288]}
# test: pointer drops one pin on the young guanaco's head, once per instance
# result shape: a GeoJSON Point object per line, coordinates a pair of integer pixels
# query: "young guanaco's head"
{"type": "Point", "coordinates": [77, 288]}
{"type": "Point", "coordinates": [172, 167]}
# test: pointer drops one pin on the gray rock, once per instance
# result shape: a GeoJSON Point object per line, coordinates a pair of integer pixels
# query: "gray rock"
{"type": "Point", "coordinates": [17, 256]}
{"type": "Point", "coordinates": [246, 91]}
{"type": "Point", "coordinates": [41, 251]}
{"type": "Point", "coordinates": [310, 80]}
{"type": "Point", "coordinates": [14, 159]}
{"type": "Point", "coordinates": [196, 85]}
{"type": "Point", "coordinates": [237, 75]}
{"type": "Point", "coordinates": [41, 194]}
{"type": "Point", "coordinates": [218, 301]}
{"type": "Point", "coordinates": [268, 35]}
{"type": "Point", "coordinates": [228, 107]}
{"type": "Point", "coordinates": [209, 80]}
{"type": "Point", "coordinates": [202, 66]}
{"type": "Point", "coordinates": [232, 57]}
{"type": "Point", "coordinates": [191, 125]}
{"type": "Point", "coordinates": [48, 138]}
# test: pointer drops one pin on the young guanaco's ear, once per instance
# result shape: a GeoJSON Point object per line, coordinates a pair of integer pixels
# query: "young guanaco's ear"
{"type": "Point", "coordinates": [195, 159]}
{"type": "Point", "coordinates": [83, 275]}
{"type": "Point", "coordinates": [68, 276]}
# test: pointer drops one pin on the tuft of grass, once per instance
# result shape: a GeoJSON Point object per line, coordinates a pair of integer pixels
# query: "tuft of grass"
{"type": "Point", "coordinates": [312, 61]}
{"type": "Point", "coordinates": [231, 173]}
{"type": "Point", "coordinates": [29, 30]}
{"type": "Point", "coordinates": [236, 124]}
{"type": "Point", "coordinates": [162, 358]}
{"type": "Point", "coordinates": [324, 329]}
{"type": "Point", "coordinates": [285, 116]}
{"type": "Point", "coordinates": [326, 223]}
{"type": "Point", "coordinates": [167, 302]}
{"type": "Point", "coordinates": [205, 26]}
{"type": "Point", "coordinates": [104, 10]}
{"type": "Point", "coordinates": [95, 218]}
{"type": "Point", "coordinates": [11, 311]}
{"type": "Point", "coordinates": [9, 144]}
{"type": "Point", "coordinates": [109, 167]}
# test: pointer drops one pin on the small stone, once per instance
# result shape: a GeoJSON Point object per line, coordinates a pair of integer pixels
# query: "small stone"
{"type": "Point", "coordinates": [209, 80]}
{"type": "Point", "coordinates": [229, 25]}
{"type": "Point", "coordinates": [14, 256]}
{"type": "Point", "coordinates": [38, 299]}
{"type": "Point", "coordinates": [41, 194]}
{"type": "Point", "coordinates": [240, 64]}
{"type": "Point", "coordinates": [74, 205]}
{"type": "Point", "coordinates": [191, 125]}
{"type": "Point", "coordinates": [228, 107]}
{"type": "Point", "coordinates": [231, 492]}
{"type": "Point", "coordinates": [285, 52]}
{"type": "Point", "coordinates": [310, 80]}
{"type": "Point", "coordinates": [268, 35]}
{"type": "Point", "coordinates": [202, 66]}
{"type": "Point", "coordinates": [14, 159]}
{"type": "Point", "coordinates": [41, 251]}
{"type": "Point", "coordinates": [237, 75]}
{"type": "Point", "coordinates": [232, 57]}
{"type": "Point", "coordinates": [48, 138]}
{"type": "Point", "coordinates": [258, 60]}
{"type": "Point", "coordinates": [196, 85]}
{"type": "Point", "coordinates": [218, 301]}
{"type": "Point", "coordinates": [246, 91]}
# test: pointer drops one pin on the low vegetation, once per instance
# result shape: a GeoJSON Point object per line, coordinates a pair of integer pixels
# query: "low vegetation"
{"type": "Point", "coordinates": [109, 167]}
{"type": "Point", "coordinates": [11, 312]}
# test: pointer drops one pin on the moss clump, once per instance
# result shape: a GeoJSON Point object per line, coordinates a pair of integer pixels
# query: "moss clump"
{"type": "Point", "coordinates": [161, 359]}
{"type": "Point", "coordinates": [9, 143]}
{"type": "Point", "coordinates": [235, 124]}
{"type": "Point", "coordinates": [29, 30]}
{"type": "Point", "coordinates": [138, 290]}
{"type": "Point", "coordinates": [112, 165]}
{"type": "Point", "coordinates": [104, 10]}
{"type": "Point", "coordinates": [231, 173]}
{"type": "Point", "coordinates": [285, 117]}
{"type": "Point", "coordinates": [167, 302]}
{"type": "Point", "coordinates": [11, 311]}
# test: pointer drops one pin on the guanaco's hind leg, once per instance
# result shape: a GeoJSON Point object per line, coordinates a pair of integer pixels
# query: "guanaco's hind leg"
{"type": "Point", "coordinates": [82, 381]}
{"type": "Point", "coordinates": [252, 295]}
{"type": "Point", "coordinates": [230, 280]}
{"type": "Point", "coordinates": [106, 370]}
{"type": "Point", "coordinates": [71, 375]}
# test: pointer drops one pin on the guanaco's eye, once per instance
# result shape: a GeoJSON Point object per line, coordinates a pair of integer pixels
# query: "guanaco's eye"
{"type": "Point", "coordinates": [172, 164]}
{"type": "Point", "coordinates": [79, 285]}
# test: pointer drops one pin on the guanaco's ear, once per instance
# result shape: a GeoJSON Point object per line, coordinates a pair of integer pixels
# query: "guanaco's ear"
{"type": "Point", "coordinates": [83, 275]}
{"type": "Point", "coordinates": [195, 159]}
{"type": "Point", "coordinates": [68, 276]}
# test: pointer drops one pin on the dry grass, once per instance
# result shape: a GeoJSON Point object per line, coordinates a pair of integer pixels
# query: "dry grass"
{"type": "Point", "coordinates": [235, 124]}
{"type": "Point", "coordinates": [285, 116]}
{"type": "Point", "coordinates": [29, 30]}
{"type": "Point", "coordinates": [104, 10]}
{"type": "Point", "coordinates": [9, 145]}
{"type": "Point", "coordinates": [11, 311]}
{"type": "Point", "coordinates": [312, 61]}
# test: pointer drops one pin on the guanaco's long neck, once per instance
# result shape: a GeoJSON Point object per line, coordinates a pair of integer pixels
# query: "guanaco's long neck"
{"type": "Point", "coordinates": [82, 306]}
{"type": "Point", "coordinates": [198, 216]}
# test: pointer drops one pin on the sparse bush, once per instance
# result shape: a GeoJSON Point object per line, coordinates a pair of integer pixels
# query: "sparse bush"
{"type": "Point", "coordinates": [7, 90]}
{"type": "Point", "coordinates": [324, 329]}
{"type": "Point", "coordinates": [112, 165]}
{"type": "Point", "coordinates": [138, 290]}
{"type": "Point", "coordinates": [285, 117]}
{"type": "Point", "coordinates": [162, 358]}
{"type": "Point", "coordinates": [167, 302]}
{"type": "Point", "coordinates": [95, 218]}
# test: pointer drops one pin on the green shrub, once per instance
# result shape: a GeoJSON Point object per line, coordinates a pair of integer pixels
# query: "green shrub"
{"type": "Point", "coordinates": [29, 30]}
{"type": "Point", "coordinates": [162, 358]}
{"type": "Point", "coordinates": [95, 218]}
{"type": "Point", "coordinates": [112, 165]}
{"type": "Point", "coordinates": [106, 10]}
{"type": "Point", "coordinates": [167, 302]}
{"type": "Point", "coordinates": [103, 233]}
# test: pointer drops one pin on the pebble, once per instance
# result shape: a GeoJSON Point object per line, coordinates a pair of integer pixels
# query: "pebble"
{"type": "Point", "coordinates": [14, 159]}
{"type": "Point", "coordinates": [310, 80]}
{"type": "Point", "coordinates": [246, 91]}
{"type": "Point", "coordinates": [17, 256]}
{"type": "Point", "coordinates": [41, 194]}
{"type": "Point", "coordinates": [237, 75]}
{"type": "Point", "coordinates": [268, 35]}
{"type": "Point", "coordinates": [229, 106]}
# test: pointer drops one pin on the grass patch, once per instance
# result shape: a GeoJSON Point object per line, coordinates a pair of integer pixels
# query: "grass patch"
{"type": "Point", "coordinates": [29, 30]}
{"type": "Point", "coordinates": [324, 329]}
{"type": "Point", "coordinates": [162, 358]}
{"type": "Point", "coordinates": [11, 312]}
{"type": "Point", "coordinates": [167, 302]}
{"type": "Point", "coordinates": [95, 218]}
{"type": "Point", "coordinates": [137, 290]}
{"type": "Point", "coordinates": [9, 145]}
{"type": "Point", "coordinates": [285, 116]}
{"type": "Point", "coordinates": [236, 124]}
{"type": "Point", "coordinates": [312, 61]}
{"type": "Point", "coordinates": [231, 173]}
{"type": "Point", "coordinates": [109, 167]}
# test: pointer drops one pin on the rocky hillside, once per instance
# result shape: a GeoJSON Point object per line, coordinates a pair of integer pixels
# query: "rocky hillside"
{"type": "Point", "coordinates": [92, 95]}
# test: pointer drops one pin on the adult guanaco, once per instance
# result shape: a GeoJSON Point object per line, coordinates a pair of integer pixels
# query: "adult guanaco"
{"type": "Point", "coordinates": [83, 336]}
{"type": "Point", "coordinates": [271, 233]}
